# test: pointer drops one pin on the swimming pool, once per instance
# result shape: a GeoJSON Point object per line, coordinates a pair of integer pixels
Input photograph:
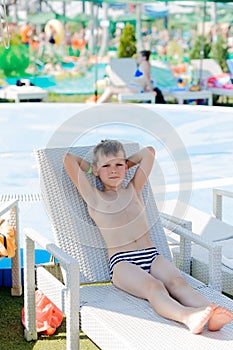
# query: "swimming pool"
{"type": "Point", "coordinates": [86, 84]}
{"type": "Point", "coordinates": [68, 85]}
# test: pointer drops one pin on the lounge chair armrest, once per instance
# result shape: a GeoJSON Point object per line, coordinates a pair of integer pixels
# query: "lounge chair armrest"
{"type": "Point", "coordinates": [178, 221]}
{"type": "Point", "coordinates": [193, 237]}
{"type": "Point", "coordinates": [218, 194]}
{"type": "Point", "coordinates": [69, 291]}
{"type": "Point", "coordinates": [7, 206]}
{"type": "Point", "coordinates": [50, 247]}
{"type": "Point", "coordinates": [215, 251]}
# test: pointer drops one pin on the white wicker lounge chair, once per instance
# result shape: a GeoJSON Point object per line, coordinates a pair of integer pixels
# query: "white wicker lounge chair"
{"type": "Point", "coordinates": [110, 317]}
{"type": "Point", "coordinates": [10, 209]}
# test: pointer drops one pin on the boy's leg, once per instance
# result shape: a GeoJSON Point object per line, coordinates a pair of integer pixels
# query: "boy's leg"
{"type": "Point", "coordinates": [177, 286]}
{"type": "Point", "coordinates": [179, 289]}
{"type": "Point", "coordinates": [110, 91]}
{"type": "Point", "coordinates": [106, 96]}
{"type": "Point", "coordinates": [137, 282]}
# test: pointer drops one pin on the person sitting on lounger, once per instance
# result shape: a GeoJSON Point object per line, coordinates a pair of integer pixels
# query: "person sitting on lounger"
{"type": "Point", "coordinates": [141, 81]}
{"type": "Point", "coordinates": [136, 265]}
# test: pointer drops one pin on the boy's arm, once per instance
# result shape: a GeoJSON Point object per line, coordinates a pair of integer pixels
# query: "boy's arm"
{"type": "Point", "coordinates": [145, 158]}
{"type": "Point", "coordinates": [76, 167]}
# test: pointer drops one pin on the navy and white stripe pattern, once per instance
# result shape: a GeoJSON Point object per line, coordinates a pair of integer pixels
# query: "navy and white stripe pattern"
{"type": "Point", "coordinates": [142, 258]}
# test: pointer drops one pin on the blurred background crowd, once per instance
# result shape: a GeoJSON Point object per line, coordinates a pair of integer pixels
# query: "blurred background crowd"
{"type": "Point", "coordinates": [46, 35]}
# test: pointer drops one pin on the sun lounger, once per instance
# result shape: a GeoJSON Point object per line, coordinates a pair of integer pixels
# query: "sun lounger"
{"type": "Point", "coordinates": [10, 209]}
{"type": "Point", "coordinates": [111, 318]}
{"type": "Point", "coordinates": [211, 230]}
{"type": "Point", "coordinates": [120, 73]}
{"type": "Point", "coordinates": [165, 80]}
{"type": "Point", "coordinates": [210, 68]}
{"type": "Point", "coordinates": [230, 66]}
{"type": "Point", "coordinates": [218, 194]}
{"type": "Point", "coordinates": [18, 93]}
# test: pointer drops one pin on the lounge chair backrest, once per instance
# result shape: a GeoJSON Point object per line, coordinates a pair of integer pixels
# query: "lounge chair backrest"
{"type": "Point", "coordinates": [121, 71]}
{"type": "Point", "coordinates": [74, 231]}
{"type": "Point", "coordinates": [230, 66]}
{"type": "Point", "coordinates": [210, 68]}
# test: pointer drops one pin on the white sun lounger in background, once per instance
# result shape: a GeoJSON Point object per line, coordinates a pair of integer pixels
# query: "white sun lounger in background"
{"type": "Point", "coordinates": [18, 93]}
{"type": "Point", "coordinates": [120, 73]}
{"type": "Point", "coordinates": [218, 194]}
{"type": "Point", "coordinates": [111, 318]}
{"type": "Point", "coordinates": [209, 67]}
{"type": "Point", "coordinates": [230, 66]}
{"type": "Point", "coordinates": [171, 90]}
{"type": "Point", "coordinates": [211, 230]}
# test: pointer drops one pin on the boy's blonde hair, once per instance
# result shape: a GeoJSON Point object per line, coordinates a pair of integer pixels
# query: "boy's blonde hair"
{"type": "Point", "coordinates": [106, 147]}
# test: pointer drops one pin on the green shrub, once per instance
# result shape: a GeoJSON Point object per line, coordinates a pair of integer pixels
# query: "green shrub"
{"type": "Point", "coordinates": [195, 52]}
{"type": "Point", "coordinates": [219, 51]}
{"type": "Point", "coordinates": [127, 47]}
{"type": "Point", "coordinates": [14, 60]}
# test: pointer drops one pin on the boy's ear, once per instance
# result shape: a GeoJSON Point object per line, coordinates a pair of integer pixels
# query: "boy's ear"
{"type": "Point", "coordinates": [126, 164]}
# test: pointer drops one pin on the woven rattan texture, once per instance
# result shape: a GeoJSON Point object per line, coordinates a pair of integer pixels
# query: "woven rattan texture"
{"type": "Point", "coordinates": [74, 230]}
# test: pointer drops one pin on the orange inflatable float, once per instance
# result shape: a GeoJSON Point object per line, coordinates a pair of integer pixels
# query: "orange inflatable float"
{"type": "Point", "coordinates": [48, 316]}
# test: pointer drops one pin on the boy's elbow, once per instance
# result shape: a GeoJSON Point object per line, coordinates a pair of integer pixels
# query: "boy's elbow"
{"type": "Point", "coordinates": [151, 150]}
{"type": "Point", "coordinates": [67, 159]}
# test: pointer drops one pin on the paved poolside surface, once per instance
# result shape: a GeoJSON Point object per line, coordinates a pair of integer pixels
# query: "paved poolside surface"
{"type": "Point", "coordinates": [205, 133]}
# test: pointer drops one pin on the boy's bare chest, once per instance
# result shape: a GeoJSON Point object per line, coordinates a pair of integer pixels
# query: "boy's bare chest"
{"type": "Point", "coordinates": [121, 208]}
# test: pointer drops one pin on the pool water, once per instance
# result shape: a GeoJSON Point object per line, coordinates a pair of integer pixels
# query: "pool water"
{"type": "Point", "coordinates": [72, 85]}
{"type": "Point", "coordinates": [86, 84]}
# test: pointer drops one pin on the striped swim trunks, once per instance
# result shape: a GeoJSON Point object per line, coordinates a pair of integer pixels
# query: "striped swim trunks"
{"type": "Point", "coordinates": [142, 258]}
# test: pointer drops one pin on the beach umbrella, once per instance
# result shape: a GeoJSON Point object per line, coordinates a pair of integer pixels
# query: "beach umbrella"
{"type": "Point", "coordinates": [226, 18]}
{"type": "Point", "coordinates": [187, 19]}
{"type": "Point", "coordinates": [41, 18]}
{"type": "Point", "coordinates": [81, 17]}
{"type": "Point", "coordinates": [131, 17]}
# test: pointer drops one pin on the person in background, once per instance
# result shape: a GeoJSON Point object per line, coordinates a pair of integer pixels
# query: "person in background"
{"type": "Point", "coordinates": [141, 81]}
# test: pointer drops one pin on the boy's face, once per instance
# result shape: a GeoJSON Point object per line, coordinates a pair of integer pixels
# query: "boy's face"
{"type": "Point", "coordinates": [111, 169]}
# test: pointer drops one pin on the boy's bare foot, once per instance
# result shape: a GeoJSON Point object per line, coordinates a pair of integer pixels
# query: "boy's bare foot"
{"type": "Point", "coordinates": [198, 318]}
{"type": "Point", "coordinates": [219, 318]}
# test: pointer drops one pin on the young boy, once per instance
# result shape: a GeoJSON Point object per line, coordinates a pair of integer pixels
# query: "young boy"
{"type": "Point", "coordinates": [135, 264]}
